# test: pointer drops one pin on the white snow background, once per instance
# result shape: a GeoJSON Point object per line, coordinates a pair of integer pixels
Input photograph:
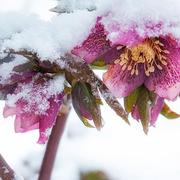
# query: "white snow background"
{"type": "Point", "coordinates": [124, 152]}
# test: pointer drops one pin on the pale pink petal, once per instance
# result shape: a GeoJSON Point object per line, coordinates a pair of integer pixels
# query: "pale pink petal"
{"type": "Point", "coordinates": [9, 111]}
{"type": "Point", "coordinates": [120, 82]}
{"type": "Point", "coordinates": [24, 121]}
{"type": "Point", "coordinates": [166, 82]}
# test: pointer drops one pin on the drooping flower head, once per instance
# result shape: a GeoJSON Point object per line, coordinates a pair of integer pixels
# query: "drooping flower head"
{"type": "Point", "coordinates": [34, 98]}
{"type": "Point", "coordinates": [36, 90]}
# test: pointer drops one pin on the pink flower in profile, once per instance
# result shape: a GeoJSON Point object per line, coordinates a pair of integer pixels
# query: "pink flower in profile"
{"type": "Point", "coordinates": [35, 101]}
{"type": "Point", "coordinates": [151, 62]}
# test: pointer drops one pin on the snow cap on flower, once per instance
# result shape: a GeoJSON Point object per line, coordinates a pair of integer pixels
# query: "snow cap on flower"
{"type": "Point", "coordinates": [147, 49]}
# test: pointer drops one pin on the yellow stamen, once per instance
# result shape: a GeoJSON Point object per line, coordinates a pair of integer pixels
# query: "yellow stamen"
{"type": "Point", "coordinates": [150, 53]}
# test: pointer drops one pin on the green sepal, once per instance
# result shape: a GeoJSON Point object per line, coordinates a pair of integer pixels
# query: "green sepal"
{"type": "Point", "coordinates": [84, 101]}
{"type": "Point", "coordinates": [29, 66]}
{"type": "Point", "coordinates": [168, 113]}
{"type": "Point", "coordinates": [130, 101]}
{"type": "Point", "coordinates": [143, 105]}
{"type": "Point", "coordinates": [86, 122]}
{"type": "Point", "coordinates": [99, 64]}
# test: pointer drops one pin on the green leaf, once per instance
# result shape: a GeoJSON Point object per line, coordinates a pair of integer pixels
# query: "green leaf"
{"type": "Point", "coordinates": [130, 101]}
{"type": "Point", "coordinates": [168, 113]}
{"type": "Point", "coordinates": [144, 108]}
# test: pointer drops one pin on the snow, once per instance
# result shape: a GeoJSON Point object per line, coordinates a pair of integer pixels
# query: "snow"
{"type": "Point", "coordinates": [49, 39]}
{"type": "Point", "coordinates": [34, 6]}
{"type": "Point", "coordinates": [37, 96]}
{"type": "Point", "coordinates": [70, 5]}
{"type": "Point", "coordinates": [53, 38]}
{"type": "Point", "coordinates": [159, 17]}
{"type": "Point", "coordinates": [6, 68]}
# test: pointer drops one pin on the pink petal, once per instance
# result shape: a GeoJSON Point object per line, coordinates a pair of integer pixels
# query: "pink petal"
{"type": "Point", "coordinates": [94, 46]}
{"type": "Point", "coordinates": [111, 55]}
{"type": "Point", "coordinates": [166, 82]}
{"type": "Point", "coordinates": [24, 121]}
{"type": "Point", "coordinates": [120, 82]}
{"type": "Point", "coordinates": [9, 111]}
{"type": "Point", "coordinates": [120, 35]}
{"type": "Point", "coordinates": [135, 113]}
{"type": "Point", "coordinates": [132, 33]}
{"type": "Point", "coordinates": [48, 120]}
{"type": "Point", "coordinates": [156, 109]}
{"type": "Point", "coordinates": [28, 116]}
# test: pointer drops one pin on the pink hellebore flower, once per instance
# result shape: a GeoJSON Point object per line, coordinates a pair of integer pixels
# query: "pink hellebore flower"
{"type": "Point", "coordinates": [32, 104]}
{"type": "Point", "coordinates": [153, 62]}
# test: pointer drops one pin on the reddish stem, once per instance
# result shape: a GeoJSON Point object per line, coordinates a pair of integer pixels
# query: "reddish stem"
{"type": "Point", "coordinates": [6, 173]}
{"type": "Point", "coordinates": [53, 143]}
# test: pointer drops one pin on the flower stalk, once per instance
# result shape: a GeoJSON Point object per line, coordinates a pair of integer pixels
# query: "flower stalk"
{"type": "Point", "coordinates": [53, 143]}
{"type": "Point", "coordinates": [6, 172]}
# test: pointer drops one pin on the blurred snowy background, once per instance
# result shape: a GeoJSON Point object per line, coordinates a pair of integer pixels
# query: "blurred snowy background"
{"type": "Point", "coordinates": [122, 152]}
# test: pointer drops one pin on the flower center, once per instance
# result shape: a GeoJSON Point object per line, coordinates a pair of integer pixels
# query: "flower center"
{"type": "Point", "coordinates": [150, 53]}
